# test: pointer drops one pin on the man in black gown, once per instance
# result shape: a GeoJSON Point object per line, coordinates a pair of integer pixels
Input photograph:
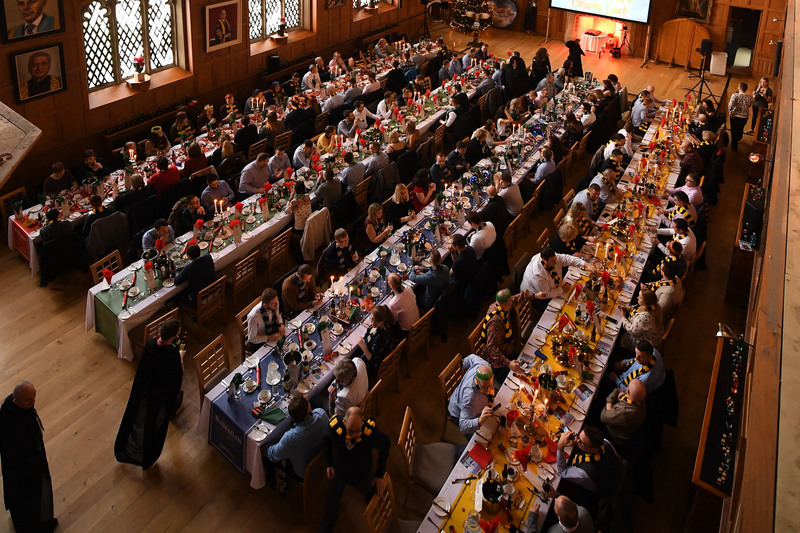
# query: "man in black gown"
{"type": "Point", "coordinates": [155, 396]}
{"type": "Point", "coordinates": [27, 486]}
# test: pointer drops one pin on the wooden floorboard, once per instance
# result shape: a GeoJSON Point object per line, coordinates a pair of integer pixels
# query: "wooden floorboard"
{"type": "Point", "coordinates": [83, 388]}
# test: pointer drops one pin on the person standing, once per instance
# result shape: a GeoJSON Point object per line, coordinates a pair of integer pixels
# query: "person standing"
{"type": "Point", "coordinates": [155, 397]}
{"type": "Point", "coordinates": [739, 111]}
{"type": "Point", "coordinates": [762, 98]}
{"type": "Point", "coordinates": [27, 486]}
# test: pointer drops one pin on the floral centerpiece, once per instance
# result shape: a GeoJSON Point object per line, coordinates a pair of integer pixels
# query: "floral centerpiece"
{"type": "Point", "coordinates": [138, 66]}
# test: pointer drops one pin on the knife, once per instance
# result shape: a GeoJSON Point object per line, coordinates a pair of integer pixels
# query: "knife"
{"type": "Point", "coordinates": [434, 524]}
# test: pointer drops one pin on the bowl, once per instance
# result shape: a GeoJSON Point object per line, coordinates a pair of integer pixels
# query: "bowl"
{"type": "Point", "coordinates": [265, 396]}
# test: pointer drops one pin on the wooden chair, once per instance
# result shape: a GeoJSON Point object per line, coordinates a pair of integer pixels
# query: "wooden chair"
{"type": "Point", "coordinates": [528, 210]}
{"type": "Point", "coordinates": [360, 193]}
{"type": "Point", "coordinates": [449, 379]}
{"type": "Point", "coordinates": [283, 140]}
{"type": "Point", "coordinates": [662, 342]}
{"type": "Point", "coordinates": [690, 269]}
{"type": "Point", "coordinates": [383, 81]}
{"type": "Point", "coordinates": [320, 122]}
{"type": "Point", "coordinates": [369, 405]}
{"type": "Point", "coordinates": [427, 465]}
{"type": "Point", "coordinates": [311, 479]}
{"type": "Point", "coordinates": [526, 321]}
{"type": "Point", "coordinates": [255, 149]}
{"type": "Point", "coordinates": [241, 324]}
{"type": "Point", "coordinates": [419, 337]}
{"type": "Point", "coordinates": [380, 514]}
{"type": "Point", "coordinates": [275, 252]}
{"type": "Point", "coordinates": [209, 301]}
{"type": "Point", "coordinates": [438, 137]}
{"type": "Point", "coordinates": [211, 365]}
{"type": "Point", "coordinates": [482, 106]}
{"type": "Point", "coordinates": [558, 219]}
{"type": "Point", "coordinates": [474, 339]}
{"type": "Point", "coordinates": [567, 200]}
{"type": "Point", "coordinates": [112, 261]}
{"type": "Point", "coordinates": [543, 239]}
{"type": "Point", "coordinates": [244, 274]}
{"type": "Point", "coordinates": [510, 235]}
{"type": "Point", "coordinates": [5, 202]}
{"type": "Point", "coordinates": [584, 142]}
{"type": "Point", "coordinates": [391, 365]}
{"type": "Point", "coordinates": [426, 82]}
{"type": "Point", "coordinates": [153, 329]}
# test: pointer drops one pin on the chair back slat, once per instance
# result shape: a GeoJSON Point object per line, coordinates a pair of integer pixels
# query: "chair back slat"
{"type": "Point", "coordinates": [210, 300]}
{"type": "Point", "coordinates": [151, 330]}
{"type": "Point", "coordinates": [475, 341]}
{"type": "Point", "coordinates": [451, 376]}
{"type": "Point", "coordinates": [244, 273]}
{"type": "Point", "coordinates": [369, 405]}
{"type": "Point", "coordinates": [360, 193]}
{"type": "Point", "coordinates": [112, 261]}
{"type": "Point", "coordinates": [211, 364]}
{"type": "Point", "coordinates": [543, 239]}
{"type": "Point", "coordinates": [380, 511]}
{"type": "Point", "coordinates": [419, 334]}
{"type": "Point", "coordinates": [283, 140]}
{"type": "Point", "coordinates": [391, 364]}
{"type": "Point", "coordinates": [408, 439]}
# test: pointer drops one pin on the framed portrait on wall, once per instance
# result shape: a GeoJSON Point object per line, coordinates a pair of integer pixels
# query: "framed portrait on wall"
{"type": "Point", "coordinates": [26, 19]}
{"type": "Point", "coordinates": [39, 73]}
{"type": "Point", "coordinates": [223, 25]}
{"type": "Point", "coordinates": [699, 10]}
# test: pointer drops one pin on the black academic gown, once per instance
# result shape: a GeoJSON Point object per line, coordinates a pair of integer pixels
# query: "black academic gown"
{"type": "Point", "coordinates": [27, 487]}
{"type": "Point", "coordinates": [152, 403]}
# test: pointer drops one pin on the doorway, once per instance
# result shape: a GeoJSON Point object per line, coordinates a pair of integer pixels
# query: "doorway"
{"type": "Point", "coordinates": [741, 35]}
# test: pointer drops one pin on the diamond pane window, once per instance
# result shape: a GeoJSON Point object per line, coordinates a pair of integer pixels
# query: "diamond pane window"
{"type": "Point", "coordinates": [117, 31]}
{"type": "Point", "coordinates": [265, 16]}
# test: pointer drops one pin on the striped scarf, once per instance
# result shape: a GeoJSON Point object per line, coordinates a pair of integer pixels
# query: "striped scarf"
{"type": "Point", "coordinates": [664, 283]}
{"type": "Point", "coordinates": [571, 246]}
{"type": "Point", "coordinates": [644, 369]}
{"type": "Point", "coordinates": [552, 271]}
{"type": "Point", "coordinates": [497, 311]}
{"type": "Point", "coordinates": [187, 132]}
{"type": "Point", "coordinates": [677, 237]}
{"type": "Point", "coordinates": [584, 226]}
{"type": "Point", "coordinates": [271, 321]}
{"type": "Point", "coordinates": [594, 207]}
{"type": "Point", "coordinates": [231, 108]}
{"type": "Point", "coordinates": [579, 456]}
{"type": "Point", "coordinates": [684, 212]}
{"type": "Point", "coordinates": [668, 259]}
{"type": "Point", "coordinates": [627, 400]}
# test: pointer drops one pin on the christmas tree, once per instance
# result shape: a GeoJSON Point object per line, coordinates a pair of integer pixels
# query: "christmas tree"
{"type": "Point", "coordinates": [467, 12]}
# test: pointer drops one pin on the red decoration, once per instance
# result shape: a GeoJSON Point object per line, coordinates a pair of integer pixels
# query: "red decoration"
{"type": "Point", "coordinates": [199, 222]}
{"type": "Point", "coordinates": [148, 265]}
{"type": "Point", "coordinates": [234, 223]}
{"type": "Point", "coordinates": [239, 206]}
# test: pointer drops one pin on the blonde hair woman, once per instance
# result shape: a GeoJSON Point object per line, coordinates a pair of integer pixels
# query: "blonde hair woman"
{"type": "Point", "coordinates": [412, 135]}
{"type": "Point", "coordinates": [399, 209]}
{"type": "Point", "coordinates": [577, 216]}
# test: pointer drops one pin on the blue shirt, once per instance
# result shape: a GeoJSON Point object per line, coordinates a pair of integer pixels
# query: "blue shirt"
{"type": "Point", "coordinates": [434, 280]}
{"type": "Point", "coordinates": [223, 190]}
{"type": "Point", "coordinates": [467, 401]}
{"type": "Point", "coordinates": [149, 238]}
{"type": "Point", "coordinates": [302, 442]}
{"type": "Point", "coordinates": [652, 379]}
{"type": "Point", "coordinates": [545, 169]}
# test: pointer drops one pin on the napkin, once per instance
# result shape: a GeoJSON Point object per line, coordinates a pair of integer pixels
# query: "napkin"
{"type": "Point", "coordinates": [489, 527]}
{"type": "Point", "coordinates": [189, 243]}
{"type": "Point", "coordinates": [239, 206]}
{"type": "Point", "coordinates": [199, 222]}
{"type": "Point", "coordinates": [551, 450]}
{"type": "Point", "coordinates": [107, 274]}
{"type": "Point", "coordinates": [511, 416]}
{"type": "Point", "coordinates": [159, 244]}
{"type": "Point", "coordinates": [480, 455]}
{"type": "Point", "coordinates": [273, 415]}
{"type": "Point", "coordinates": [523, 456]}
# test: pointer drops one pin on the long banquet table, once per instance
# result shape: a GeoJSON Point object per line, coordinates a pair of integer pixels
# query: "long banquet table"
{"type": "Point", "coordinates": [577, 394]}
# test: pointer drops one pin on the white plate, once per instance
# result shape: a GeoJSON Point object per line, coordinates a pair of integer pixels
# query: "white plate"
{"type": "Point", "coordinates": [258, 435]}
{"type": "Point", "coordinates": [293, 347]}
{"type": "Point", "coordinates": [578, 416]}
{"type": "Point", "coordinates": [402, 267]}
{"type": "Point", "coordinates": [133, 291]}
{"type": "Point", "coordinates": [345, 346]}
{"type": "Point", "coordinates": [203, 245]}
{"type": "Point", "coordinates": [217, 242]}
{"type": "Point", "coordinates": [169, 283]}
{"type": "Point", "coordinates": [309, 345]}
{"type": "Point", "coordinates": [75, 215]}
{"type": "Point", "coordinates": [125, 284]}
{"type": "Point", "coordinates": [394, 262]}
{"type": "Point", "coordinates": [594, 366]}
{"type": "Point", "coordinates": [34, 234]}
{"type": "Point", "coordinates": [444, 504]}
{"type": "Point", "coordinates": [338, 330]}
{"type": "Point", "coordinates": [375, 292]}
{"type": "Point", "coordinates": [511, 457]}
{"type": "Point", "coordinates": [251, 361]}
{"type": "Point", "coordinates": [307, 355]}
{"type": "Point", "coordinates": [536, 454]}
{"type": "Point", "coordinates": [246, 235]}
{"type": "Point", "coordinates": [309, 328]}
{"type": "Point", "coordinates": [250, 219]}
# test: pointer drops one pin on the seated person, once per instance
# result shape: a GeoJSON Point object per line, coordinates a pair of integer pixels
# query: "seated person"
{"type": "Point", "coordinates": [55, 228]}
{"type": "Point", "coordinates": [127, 156]}
{"type": "Point", "coordinates": [207, 119]}
{"type": "Point", "coordinates": [682, 209]}
{"type": "Point", "coordinates": [329, 189]}
{"type": "Point", "coordinates": [568, 239]}
{"type": "Point", "coordinates": [325, 142]}
{"type": "Point", "coordinates": [607, 183]}
{"type": "Point", "coordinates": [59, 179]}
{"type": "Point", "coordinates": [498, 335]}
{"type": "Point", "coordinates": [576, 216]}
{"type": "Point", "coordinates": [278, 164]}
{"type": "Point", "coordinates": [440, 173]}
{"type": "Point", "coordinates": [396, 146]}
{"type": "Point", "coordinates": [647, 366]}
{"type": "Point", "coordinates": [181, 130]}
{"type": "Point", "coordinates": [226, 149]}
{"type": "Point", "coordinates": [376, 230]}
{"type": "Point", "coordinates": [160, 230]}
{"type": "Point", "coordinates": [542, 277]}
{"type": "Point", "coordinates": [377, 160]}
{"type": "Point", "coordinates": [510, 193]}
{"type": "Point", "coordinates": [423, 192]}
{"type": "Point", "coordinates": [350, 386]}
{"type": "Point", "coordinates": [470, 405]}
{"type": "Point", "coordinates": [624, 412]}
{"type": "Point", "coordinates": [614, 163]}
{"type": "Point", "coordinates": [339, 257]}
{"type": "Point", "coordinates": [247, 135]}
{"type": "Point", "coordinates": [304, 440]}
{"type": "Point", "coordinates": [669, 289]}
{"type": "Point", "coordinates": [230, 109]}
{"type": "Point", "coordinates": [674, 255]}
{"type": "Point", "coordinates": [386, 107]}
{"type": "Point", "coordinates": [167, 176]}
{"type": "Point", "coordinates": [373, 85]}
{"type": "Point", "coordinates": [354, 173]}
{"type": "Point", "coordinates": [98, 211]}
{"type": "Point", "coordinates": [195, 161]}
{"type": "Point", "coordinates": [399, 210]}
{"type": "Point", "coordinates": [264, 321]}
{"type": "Point", "coordinates": [271, 128]}
{"type": "Point", "coordinates": [256, 102]}
{"type": "Point", "coordinates": [477, 148]}
{"type": "Point", "coordinates": [456, 161]}
{"type": "Point", "coordinates": [483, 234]}
{"type": "Point", "coordinates": [431, 281]}
{"type": "Point", "coordinates": [199, 273]}
{"type": "Point", "coordinates": [589, 198]}
{"type": "Point", "coordinates": [347, 126]}
{"type": "Point", "coordinates": [157, 142]}
{"type": "Point", "coordinates": [299, 291]}
{"type": "Point", "coordinates": [293, 86]}
{"type": "Point", "coordinates": [545, 167]}
{"type": "Point", "coordinates": [217, 192]}
{"type": "Point", "coordinates": [254, 175]}
{"type": "Point", "coordinates": [379, 341]}
{"type": "Point", "coordinates": [593, 463]}
{"type": "Point", "coordinates": [353, 92]}
{"type": "Point", "coordinates": [495, 210]}
{"type": "Point", "coordinates": [465, 262]}
{"type": "Point", "coordinates": [194, 211]}
{"type": "Point", "coordinates": [136, 194]}
{"type": "Point", "coordinates": [91, 166]}
{"type": "Point", "coordinates": [303, 155]}
{"type": "Point", "coordinates": [402, 304]}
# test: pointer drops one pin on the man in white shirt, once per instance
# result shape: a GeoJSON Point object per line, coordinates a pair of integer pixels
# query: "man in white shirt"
{"type": "Point", "coordinates": [682, 209]}
{"type": "Point", "coordinates": [616, 142]}
{"type": "Point", "coordinates": [387, 105]}
{"type": "Point", "coordinates": [509, 191]}
{"type": "Point", "coordinates": [311, 80]}
{"type": "Point", "coordinates": [334, 100]}
{"type": "Point", "coordinates": [278, 164]}
{"type": "Point", "coordinates": [302, 156]}
{"type": "Point", "coordinates": [679, 232]}
{"type": "Point", "coordinates": [543, 276]}
{"type": "Point", "coordinates": [254, 175]}
{"type": "Point", "coordinates": [264, 322]}
{"type": "Point", "coordinates": [350, 386]}
{"type": "Point", "coordinates": [373, 85]}
{"type": "Point", "coordinates": [377, 160]}
{"type": "Point", "coordinates": [589, 198]}
{"type": "Point", "coordinates": [361, 113]}
{"type": "Point", "coordinates": [403, 304]}
{"type": "Point", "coordinates": [484, 235]}
{"type": "Point", "coordinates": [607, 181]}
{"type": "Point", "coordinates": [588, 117]}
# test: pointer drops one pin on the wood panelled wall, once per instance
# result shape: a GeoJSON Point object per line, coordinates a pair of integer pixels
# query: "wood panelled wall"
{"type": "Point", "coordinates": [70, 125]}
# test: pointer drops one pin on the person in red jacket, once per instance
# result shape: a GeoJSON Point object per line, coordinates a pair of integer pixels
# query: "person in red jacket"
{"type": "Point", "coordinates": [166, 176]}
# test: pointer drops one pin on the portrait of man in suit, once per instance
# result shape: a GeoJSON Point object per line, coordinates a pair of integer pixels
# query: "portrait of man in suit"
{"type": "Point", "coordinates": [27, 18]}
{"type": "Point", "coordinates": [39, 72]}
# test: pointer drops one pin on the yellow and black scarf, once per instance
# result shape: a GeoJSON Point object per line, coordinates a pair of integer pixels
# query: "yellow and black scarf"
{"type": "Point", "coordinates": [338, 428]}
{"type": "Point", "coordinates": [644, 369]}
{"type": "Point", "coordinates": [664, 283]}
{"type": "Point", "coordinates": [584, 226]}
{"type": "Point", "coordinates": [497, 311]}
{"type": "Point", "coordinates": [684, 212]}
{"type": "Point", "coordinates": [552, 271]}
{"type": "Point", "coordinates": [186, 131]}
{"type": "Point", "coordinates": [231, 108]}
{"type": "Point", "coordinates": [579, 456]}
{"type": "Point", "coordinates": [668, 259]}
{"type": "Point", "coordinates": [571, 246]}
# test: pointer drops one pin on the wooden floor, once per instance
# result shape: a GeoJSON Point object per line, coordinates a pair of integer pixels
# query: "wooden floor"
{"type": "Point", "coordinates": [83, 387]}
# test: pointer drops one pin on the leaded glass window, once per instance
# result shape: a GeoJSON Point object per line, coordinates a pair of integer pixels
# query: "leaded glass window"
{"type": "Point", "coordinates": [265, 16]}
{"type": "Point", "coordinates": [117, 31]}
